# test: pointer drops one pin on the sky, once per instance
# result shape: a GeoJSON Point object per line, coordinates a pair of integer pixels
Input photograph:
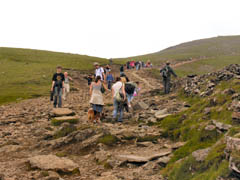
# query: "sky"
{"type": "Point", "coordinates": [113, 28]}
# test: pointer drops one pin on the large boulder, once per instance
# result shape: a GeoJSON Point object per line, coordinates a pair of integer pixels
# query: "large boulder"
{"type": "Point", "coordinates": [53, 163]}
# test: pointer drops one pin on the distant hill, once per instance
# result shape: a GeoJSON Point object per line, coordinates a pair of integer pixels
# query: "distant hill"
{"type": "Point", "coordinates": [211, 47]}
{"type": "Point", "coordinates": [215, 53]}
{"type": "Point", "coordinates": [27, 73]}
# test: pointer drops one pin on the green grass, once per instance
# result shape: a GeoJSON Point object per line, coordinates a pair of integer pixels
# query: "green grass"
{"type": "Point", "coordinates": [27, 73]}
{"type": "Point", "coordinates": [56, 122]}
{"type": "Point", "coordinates": [189, 126]}
{"type": "Point", "coordinates": [108, 139]}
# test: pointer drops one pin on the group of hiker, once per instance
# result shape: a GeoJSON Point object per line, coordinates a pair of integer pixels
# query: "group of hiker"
{"type": "Point", "coordinates": [138, 64]}
{"type": "Point", "coordinates": [122, 89]}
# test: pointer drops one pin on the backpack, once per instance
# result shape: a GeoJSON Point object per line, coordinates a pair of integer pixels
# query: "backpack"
{"type": "Point", "coordinates": [164, 72]}
{"type": "Point", "coordinates": [130, 88]}
{"type": "Point", "coordinates": [119, 96]}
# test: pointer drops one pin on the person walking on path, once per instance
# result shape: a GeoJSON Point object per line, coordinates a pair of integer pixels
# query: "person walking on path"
{"type": "Point", "coordinates": [110, 80]}
{"type": "Point", "coordinates": [66, 86]}
{"type": "Point", "coordinates": [121, 70]}
{"type": "Point", "coordinates": [99, 71]}
{"type": "Point", "coordinates": [96, 100]}
{"type": "Point", "coordinates": [130, 89]}
{"type": "Point", "coordinates": [166, 72]}
{"type": "Point", "coordinates": [57, 87]}
{"type": "Point", "coordinates": [119, 96]}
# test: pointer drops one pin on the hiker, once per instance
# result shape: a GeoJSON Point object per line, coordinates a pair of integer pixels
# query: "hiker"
{"type": "Point", "coordinates": [137, 64]}
{"type": "Point", "coordinates": [96, 100]}
{"type": "Point", "coordinates": [110, 80]}
{"type": "Point", "coordinates": [128, 65]}
{"type": "Point", "coordinates": [57, 87]}
{"type": "Point", "coordinates": [121, 70]}
{"type": "Point", "coordinates": [89, 78]}
{"type": "Point", "coordinates": [166, 72]}
{"type": "Point", "coordinates": [131, 88]}
{"type": "Point", "coordinates": [110, 61]}
{"type": "Point", "coordinates": [132, 64]}
{"type": "Point", "coordinates": [107, 69]}
{"type": "Point", "coordinates": [99, 71]}
{"type": "Point", "coordinates": [124, 78]}
{"type": "Point", "coordinates": [119, 96]}
{"type": "Point", "coordinates": [66, 86]}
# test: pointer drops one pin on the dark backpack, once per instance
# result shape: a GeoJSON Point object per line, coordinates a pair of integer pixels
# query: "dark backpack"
{"type": "Point", "coordinates": [165, 72]}
{"type": "Point", "coordinates": [130, 88]}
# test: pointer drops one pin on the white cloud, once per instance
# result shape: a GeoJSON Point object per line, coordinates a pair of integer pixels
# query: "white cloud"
{"type": "Point", "coordinates": [113, 28]}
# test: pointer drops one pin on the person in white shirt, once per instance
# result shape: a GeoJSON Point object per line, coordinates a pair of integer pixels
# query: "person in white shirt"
{"type": "Point", "coordinates": [118, 87]}
{"type": "Point", "coordinates": [99, 72]}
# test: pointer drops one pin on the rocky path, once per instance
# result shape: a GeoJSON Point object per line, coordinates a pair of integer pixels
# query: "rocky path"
{"type": "Point", "coordinates": [109, 150]}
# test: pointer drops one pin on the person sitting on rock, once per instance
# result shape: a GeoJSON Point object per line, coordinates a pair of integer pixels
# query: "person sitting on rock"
{"type": "Point", "coordinates": [57, 87]}
{"type": "Point", "coordinates": [166, 72]}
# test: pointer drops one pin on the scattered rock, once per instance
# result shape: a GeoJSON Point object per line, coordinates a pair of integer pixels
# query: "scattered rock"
{"type": "Point", "coordinates": [62, 112]}
{"type": "Point", "coordinates": [221, 126]}
{"type": "Point", "coordinates": [53, 163]}
{"type": "Point", "coordinates": [163, 161]}
{"type": "Point", "coordinates": [236, 117]}
{"type": "Point", "coordinates": [201, 154]}
{"type": "Point", "coordinates": [175, 146]}
{"type": "Point", "coordinates": [141, 106]}
{"type": "Point", "coordinates": [210, 127]}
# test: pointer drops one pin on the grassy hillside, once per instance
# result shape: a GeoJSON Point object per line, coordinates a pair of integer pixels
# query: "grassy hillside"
{"type": "Point", "coordinates": [27, 73]}
{"type": "Point", "coordinates": [216, 53]}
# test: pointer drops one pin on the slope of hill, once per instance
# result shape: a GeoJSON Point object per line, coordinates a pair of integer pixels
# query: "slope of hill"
{"type": "Point", "coordinates": [27, 73]}
{"type": "Point", "coordinates": [212, 53]}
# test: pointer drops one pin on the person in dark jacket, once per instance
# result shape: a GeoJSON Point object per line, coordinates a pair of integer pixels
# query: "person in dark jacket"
{"type": "Point", "coordinates": [166, 73]}
{"type": "Point", "coordinates": [110, 80]}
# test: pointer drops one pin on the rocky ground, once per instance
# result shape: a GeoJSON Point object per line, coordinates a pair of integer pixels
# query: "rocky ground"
{"type": "Point", "coordinates": [38, 142]}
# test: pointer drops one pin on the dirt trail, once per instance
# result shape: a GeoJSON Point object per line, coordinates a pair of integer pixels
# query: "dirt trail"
{"type": "Point", "coordinates": [135, 75]}
{"type": "Point", "coordinates": [26, 131]}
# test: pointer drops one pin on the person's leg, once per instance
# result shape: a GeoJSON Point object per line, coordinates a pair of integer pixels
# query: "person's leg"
{"type": "Point", "coordinates": [55, 97]}
{"type": "Point", "coordinates": [120, 113]}
{"type": "Point", "coordinates": [60, 98]}
{"type": "Point", "coordinates": [165, 86]}
{"type": "Point", "coordinates": [67, 89]}
{"type": "Point", "coordinates": [115, 111]}
{"type": "Point", "coordinates": [64, 92]}
{"type": "Point", "coordinates": [168, 86]}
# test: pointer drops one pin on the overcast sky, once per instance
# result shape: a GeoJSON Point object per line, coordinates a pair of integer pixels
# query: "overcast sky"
{"type": "Point", "coordinates": [114, 28]}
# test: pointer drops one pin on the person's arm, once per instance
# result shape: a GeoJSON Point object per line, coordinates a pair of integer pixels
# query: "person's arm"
{"type": "Point", "coordinates": [123, 91]}
{"type": "Point", "coordinates": [53, 83]}
{"type": "Point", "coordinates": [70, 78]}
{"type": "Point", "coordinates": [105, 87]}
{"type": "Point", "coordinates": [173, 73]}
